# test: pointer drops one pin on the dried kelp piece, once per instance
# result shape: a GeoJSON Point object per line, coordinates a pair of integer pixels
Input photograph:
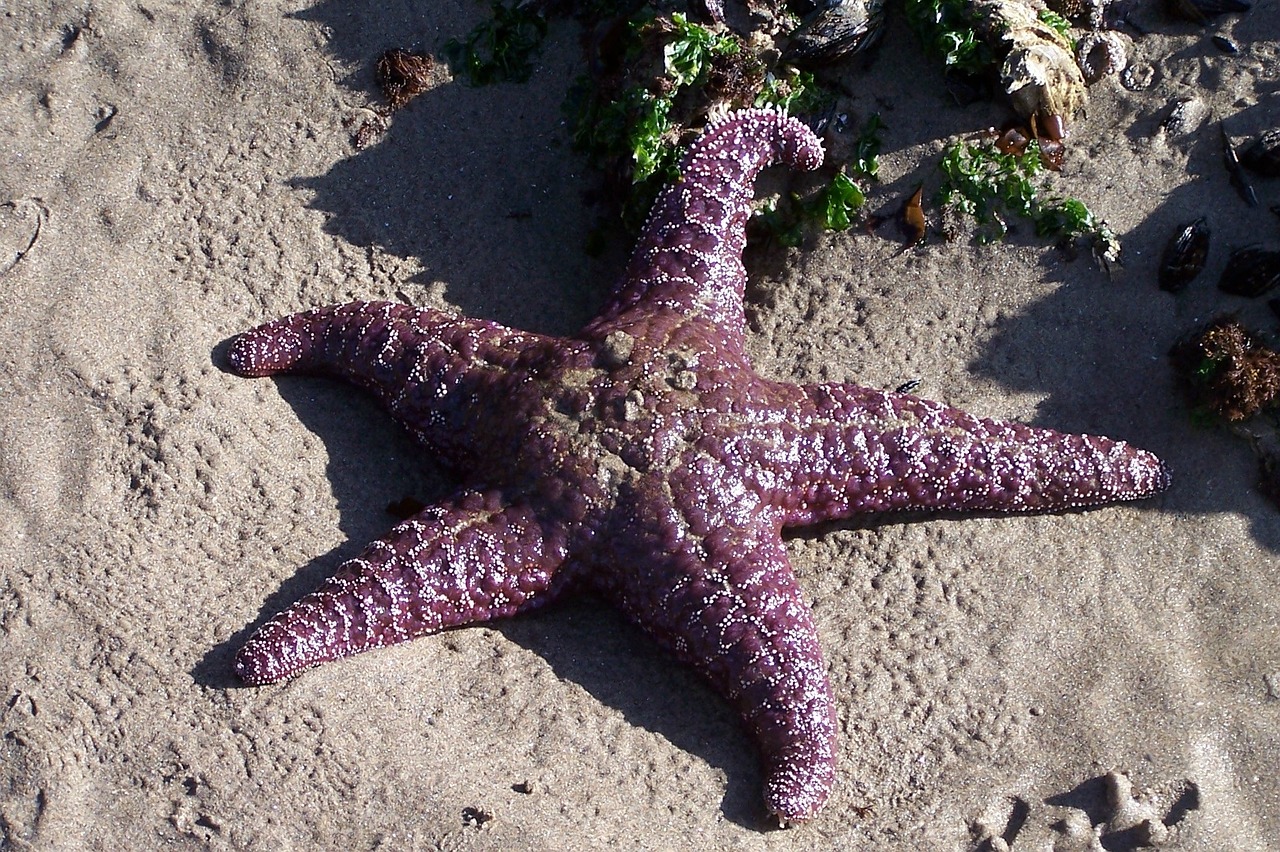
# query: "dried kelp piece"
{"type": "Point", "coordinates": [1039, 70]}
{"type": "Point", "coordinates": [912, 221]}
{"type": "Point", "coordinates": [1014, 140]}
{"type": "Point", "coordinates": [404, 75]}
{"type": "Point", "coordinates": [1251, 271]}
{"type": "Point", "coordinates": [1227, 370]}
{"type": "Point", "coordinates": [1263, 154]}
{"type": "Point", "coordinates": [1184, 257]}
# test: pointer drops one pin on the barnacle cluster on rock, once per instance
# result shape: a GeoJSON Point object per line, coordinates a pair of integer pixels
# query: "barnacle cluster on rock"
{"type": "Point", "coordinates": [1102, 52]}
{"type": "Point", "coordinates": [1039, 70]}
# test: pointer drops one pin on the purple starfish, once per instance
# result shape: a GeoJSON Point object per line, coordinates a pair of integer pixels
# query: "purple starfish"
{"type": "Point", "coordinates": [645, 460]}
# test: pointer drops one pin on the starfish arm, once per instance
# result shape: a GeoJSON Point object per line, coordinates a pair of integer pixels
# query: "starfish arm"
{"type": "Point", "coordinates": [467, 561]}
{"type": "Point", "coordinates": [848, 449]}
{"type": "Point", "coordinates": [689, 258]}
{"type": "Point", "coordinates": [423, 365]}
{"type": "Point", "coordinates": [729, 606]}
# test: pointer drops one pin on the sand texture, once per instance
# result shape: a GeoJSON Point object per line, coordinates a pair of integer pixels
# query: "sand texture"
{"type": "Point", "coordinates": [175, 172]}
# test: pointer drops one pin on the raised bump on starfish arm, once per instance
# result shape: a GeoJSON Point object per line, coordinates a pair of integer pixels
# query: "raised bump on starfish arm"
{"type": "Point", "coordinates": [462, 562]}
{"type": "Point", "coordinates": [730, 607]}
{"type": "Point", "coordinates": [857, 449]}
{"type": "Point", "coordinates": [689, 256]}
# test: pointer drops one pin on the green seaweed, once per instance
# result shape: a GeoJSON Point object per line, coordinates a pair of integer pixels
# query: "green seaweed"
{"type": "Point", "coordinates": [990, 186]}
{"type": "Point", "coordinates": [633, 111]}
{"type": "Point", "coordinates": [794, 91]}
{"type": "Point", "coordinates": [499, 49]}
{"type": "Point", "coordinates": [636, 123]}
{"type": "Point", "coordinates": [834, 207]}
{"type": "Point", "coordinates": [649, 137]}
{"type": "Point", "coordinates": [688, 55]}
{"type": "Point", "coordinates": [838, 202]}
{"type": "Point", "coordinates": [1059, 24]}
{"type": "Point", "coordinates": [866, 149]}
{"type": "Point", "coordinates": [784, 227]}
{"type": "Point", "coordinates": [945, 29]}
{"type": "Point", "coordinates": [630, 115]}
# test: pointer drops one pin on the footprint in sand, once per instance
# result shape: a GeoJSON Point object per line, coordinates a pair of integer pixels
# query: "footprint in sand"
{"type": "Point", "coordinates": [1104, 815]}
{"type": "Point", "coordinates": [20, 223]}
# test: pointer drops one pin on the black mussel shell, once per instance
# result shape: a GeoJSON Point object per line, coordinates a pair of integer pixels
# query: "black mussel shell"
{"type": "Point", "coordinates": [709, 10]}
{"type": "Point", "coordinates": [1068, 8]}
{"type": "Point", "coordinates": [1263, 155]}
{"type": "Point", "coordinates": [1184, 257]}
{"type": "Point", "coordinates": [1219, 7]}
{"type": "Point", "coordinates": [1251, 271]}
{"type": "Point", "coordinates": [1226, 45]}
{"type": "Point", "coordinates": [1200, 10]}
{"type": "Point", "coordinates": [836, 31]}
{"type": "Point", "coordinates": [805, 8]}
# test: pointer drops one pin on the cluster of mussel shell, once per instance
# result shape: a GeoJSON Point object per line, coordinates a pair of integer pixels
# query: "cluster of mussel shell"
{"type": "Point", "coordinates": [1250, 271]}
{"type": "Point", "coordinates": [830, 31]}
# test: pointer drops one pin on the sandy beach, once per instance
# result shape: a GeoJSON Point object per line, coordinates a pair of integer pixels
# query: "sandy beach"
{"type": "Point", "coordinates": [173, 173]}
